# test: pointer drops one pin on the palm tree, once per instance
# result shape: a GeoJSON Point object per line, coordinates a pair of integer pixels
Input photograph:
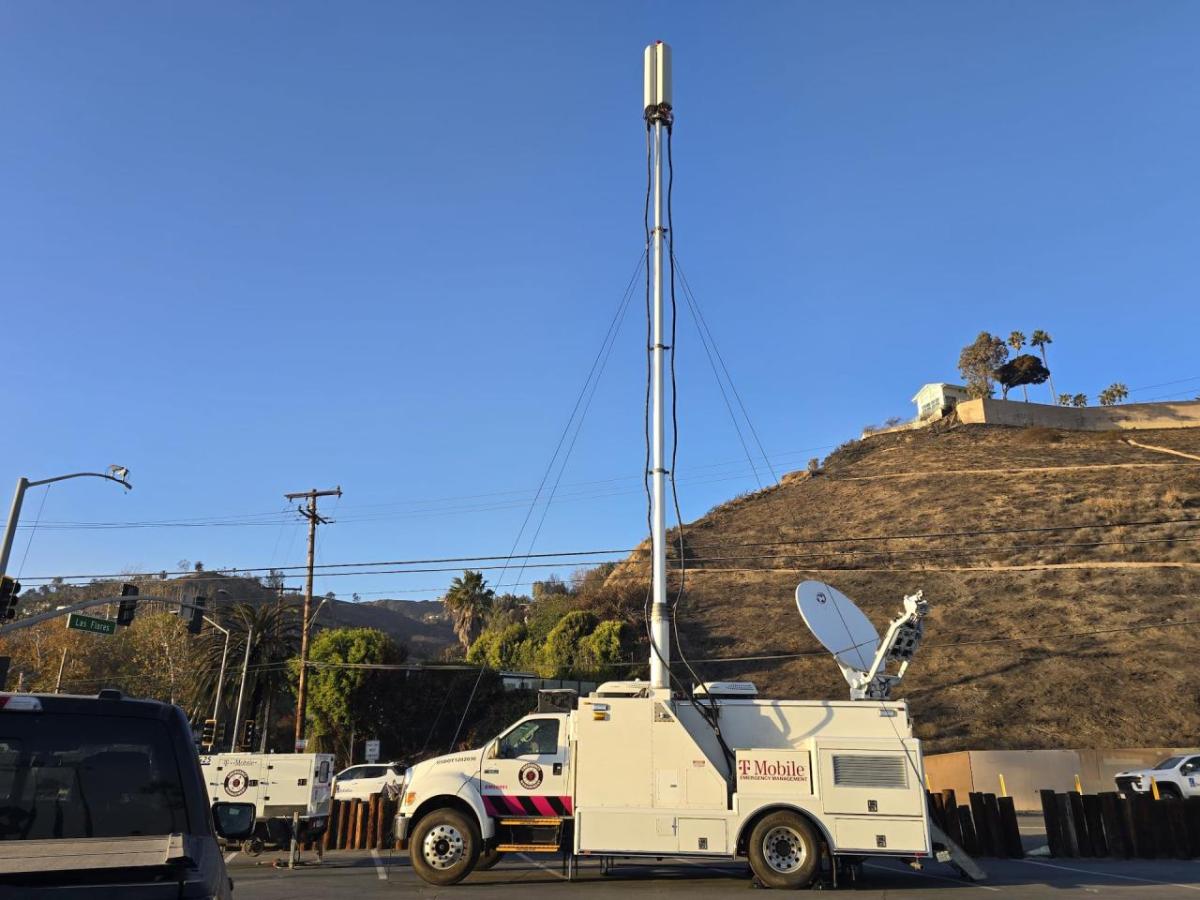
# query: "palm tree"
{"type": "Point", "coordinates": [1016, 340]}
{"type": "Point", "coordinates": [274, 633]}
{"type": "Point", "coordinates": [1040, 339]}
{"type": "Point", "coordinates": [469, 601]}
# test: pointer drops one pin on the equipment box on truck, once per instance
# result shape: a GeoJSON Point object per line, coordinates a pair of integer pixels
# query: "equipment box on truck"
{"type": "Point", "coordinates": [279, 785]}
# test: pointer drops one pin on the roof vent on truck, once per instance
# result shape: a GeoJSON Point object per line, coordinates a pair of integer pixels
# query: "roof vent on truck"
{"type": "Point", "coordinates": [622, 689]}
{"type": "Point", "coordinates": [726, 690]}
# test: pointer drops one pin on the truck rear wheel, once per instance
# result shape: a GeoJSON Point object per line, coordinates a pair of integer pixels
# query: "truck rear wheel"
{"type": "Point", "coordinates": [783, 851]}
{"type": "Point", "coordinates": [445, 847]}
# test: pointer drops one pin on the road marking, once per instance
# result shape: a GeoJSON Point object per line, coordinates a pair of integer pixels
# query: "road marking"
{"type": "Point", "coordinates": [525, 857]}
{"type": "Point", "coordinates": [907, 871]}
{"type": "Point", "coordinates": [379, 869]}
{"type": "Point", "coordinates": [229, 856]}
{"type": "Point", "coordinates": [1186, 887]}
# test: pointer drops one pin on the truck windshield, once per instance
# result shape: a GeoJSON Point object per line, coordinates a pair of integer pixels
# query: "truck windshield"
{"type": "Point", "coordinates": [70, 776]}
{"type": "Point", "coordinates": [1169, 763]}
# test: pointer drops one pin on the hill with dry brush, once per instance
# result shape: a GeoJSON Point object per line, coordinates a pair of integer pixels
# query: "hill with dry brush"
{"type": "Point", "coordinates": [1062, 568]}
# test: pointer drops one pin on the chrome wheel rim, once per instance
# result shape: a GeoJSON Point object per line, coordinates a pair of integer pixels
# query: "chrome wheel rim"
{"type": "Point", "coordinates": [443, 846]}
{"type": "Point", "coordinates": [784, 849]}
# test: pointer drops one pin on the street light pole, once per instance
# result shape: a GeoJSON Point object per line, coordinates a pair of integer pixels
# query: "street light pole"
{"type": "Point", "coordinates": [23, 484]}
{"type": "Point", "coordinates": [237, 716]}
{"type": "Point", "coordinates": [220, 678]}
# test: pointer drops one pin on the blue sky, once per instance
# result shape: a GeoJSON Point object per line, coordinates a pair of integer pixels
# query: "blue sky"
{"type": "Point", "coordinates": [256, 248]}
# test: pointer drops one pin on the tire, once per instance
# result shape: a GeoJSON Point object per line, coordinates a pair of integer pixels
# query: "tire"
{"type": "Point", "coordinates": [1170, 791]}
{"type": "Point", "coordinates": [444, 847]}
{"type": "Point", "coordinates": [488, 859]}
{"type": "Point", "coordinates": [783, 851]}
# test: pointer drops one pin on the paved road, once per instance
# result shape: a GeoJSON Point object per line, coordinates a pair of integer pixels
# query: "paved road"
{"type": "Point", "coordinates": [364, 876]}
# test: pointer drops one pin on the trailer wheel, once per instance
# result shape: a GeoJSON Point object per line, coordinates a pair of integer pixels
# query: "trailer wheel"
{"type": "Point", "coordinates": [783, 851]}
{"type": "Point", "coordinates": [488, 859]}
{"type": "Point", "coordinates": [445, 847]}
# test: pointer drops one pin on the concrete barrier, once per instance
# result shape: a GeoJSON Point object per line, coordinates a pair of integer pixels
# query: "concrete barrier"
{"type": "Point", "coordinates": [1125, 416]}
{"type": "Point", "coordinates": [1028, 772]}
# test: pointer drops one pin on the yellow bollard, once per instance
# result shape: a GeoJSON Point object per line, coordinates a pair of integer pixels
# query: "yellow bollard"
{"type": "Point", "coordinates": [1003, 786]}
{"type": "Point", "coordinates": [927, 787]}
{"type": "Point", "coordinates": [1154, 788]}
{"type": "Point", "coordinates": [1078, 784]}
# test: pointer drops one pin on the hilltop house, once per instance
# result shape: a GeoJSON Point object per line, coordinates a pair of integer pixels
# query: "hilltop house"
{"type": "Point", "coordinates": [936, 400]}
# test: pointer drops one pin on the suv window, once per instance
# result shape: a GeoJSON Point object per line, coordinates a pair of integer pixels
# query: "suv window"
{"type": "Point", "coordinates": [1169, 763]}
{"type": "Point", "coordinates": [535, 737]}
{"type": "Point", "coordinates": [349, 774]}
{"type": "Point", "coordinates": [63, 776]}
{"type": "Point", "coordinates": [372, 772]}
{"type": "Point", "coordinates": [1191, 766]}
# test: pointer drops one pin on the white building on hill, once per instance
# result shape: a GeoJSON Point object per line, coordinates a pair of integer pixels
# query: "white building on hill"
{"type": "Point", "coordinates": [935, 400]}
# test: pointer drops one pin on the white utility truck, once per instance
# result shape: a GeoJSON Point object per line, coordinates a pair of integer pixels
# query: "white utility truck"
{"type": "Point", "coordinates": [652, 769]}
{"type": "Point", "coordinates": [1175, 776]}
{"type": "Point", "coordinates": [280, 785]}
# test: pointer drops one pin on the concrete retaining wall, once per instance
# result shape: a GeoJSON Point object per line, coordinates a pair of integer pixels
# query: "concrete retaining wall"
{"type": "Point", "coordinates": [1028, 771]}
{"type": "Point", "coordinates": [1130, 416]}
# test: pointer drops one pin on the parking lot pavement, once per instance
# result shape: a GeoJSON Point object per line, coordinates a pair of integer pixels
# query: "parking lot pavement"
{"type": "Point", "coordinates": [364, 875]}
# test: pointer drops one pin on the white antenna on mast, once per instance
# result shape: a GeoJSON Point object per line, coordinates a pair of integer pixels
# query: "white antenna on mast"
{"type": "Point", "coordinates": [658, 113]}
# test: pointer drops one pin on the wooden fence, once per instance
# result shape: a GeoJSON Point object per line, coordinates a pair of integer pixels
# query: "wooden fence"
{"type": "Point", "coordinates": [985, 826]}
{"type": "Point", "coordinates": [1121, 826]}
{"type": "Point", "coordinates": [358, 825]}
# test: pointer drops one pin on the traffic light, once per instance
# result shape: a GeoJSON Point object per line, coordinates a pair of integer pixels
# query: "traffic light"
{"type": "Point", "coordinates": [249, 734]}
{"type": "Point", "coordinates": [9, 588]}
{"type": "Point", "coordinates": [128, 605]}
{"type": "Point", "coordinates": [194, 613]}
{"type": "Point", "coordinates": [208, 733]}
{"type": "Point", "coordinates": [219, 737]}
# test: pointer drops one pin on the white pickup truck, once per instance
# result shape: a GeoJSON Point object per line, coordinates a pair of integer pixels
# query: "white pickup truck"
{"type": "Point", "coordinates": [1176, 776]}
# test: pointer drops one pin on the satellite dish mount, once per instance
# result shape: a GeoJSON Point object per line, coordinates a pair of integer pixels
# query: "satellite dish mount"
{"type": "Point", "coordinates": [837, 622]}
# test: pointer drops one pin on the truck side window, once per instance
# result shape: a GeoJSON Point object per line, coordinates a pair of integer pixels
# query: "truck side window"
{"type": "Point", "coordinates": [536, 737]}
{"type": "Point", "coordinates": [1191, 766]}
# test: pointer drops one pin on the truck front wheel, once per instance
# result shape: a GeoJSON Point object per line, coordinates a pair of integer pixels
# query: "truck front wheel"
{"type": "Point", "coordinates": [783, 851]}
{"type": "Point", "coordinates": [444, 847]}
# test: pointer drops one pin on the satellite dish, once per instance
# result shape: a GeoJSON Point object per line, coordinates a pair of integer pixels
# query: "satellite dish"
{"type": "Point", "coordinates": [838, 624]}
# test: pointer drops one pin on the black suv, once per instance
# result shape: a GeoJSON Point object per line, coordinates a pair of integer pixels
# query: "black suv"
{"type": "Point", "coordinates": [103, 797]}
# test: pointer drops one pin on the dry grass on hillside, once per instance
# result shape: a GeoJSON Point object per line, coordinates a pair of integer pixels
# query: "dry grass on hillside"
{"type": "Point", "coordinates": [1004, 663]}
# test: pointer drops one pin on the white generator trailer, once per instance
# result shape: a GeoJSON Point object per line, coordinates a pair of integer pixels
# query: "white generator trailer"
{"type": "Point", "coordinates": [282, 786]}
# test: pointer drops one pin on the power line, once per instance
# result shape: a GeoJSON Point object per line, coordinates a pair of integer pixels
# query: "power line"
{"type": "Point", "coordinates": [932, 535]}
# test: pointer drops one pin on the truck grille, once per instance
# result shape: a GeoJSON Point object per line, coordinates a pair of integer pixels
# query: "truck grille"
{"type": "Point", "coordinates": [870, 771]}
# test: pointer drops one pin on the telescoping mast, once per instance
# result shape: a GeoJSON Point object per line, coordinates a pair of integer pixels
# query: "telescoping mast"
{"type": "Point", "coordinates": [659, 115]}
{"type": "Point", "coordinates": [800, 789]}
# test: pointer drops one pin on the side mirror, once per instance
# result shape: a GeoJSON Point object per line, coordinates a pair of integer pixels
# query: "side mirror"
{"type": "Point", "coordinates": [493, 750]}
{"type": "Point", "coordinates": [233, 821]}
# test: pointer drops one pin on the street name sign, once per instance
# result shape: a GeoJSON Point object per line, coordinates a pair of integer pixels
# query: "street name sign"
{"type": "Point", "coordinates": [91, 623]}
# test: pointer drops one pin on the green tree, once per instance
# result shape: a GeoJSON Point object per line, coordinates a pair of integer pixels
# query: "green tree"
{"type": "Point", "coordinates": [1016, 340]}
{"type": "Point", "coordinates": [1113, 394]}
{"type": "Point", "coordinates": [603, 648]}
{"type": "Point", "coordinates": [1064, 399]}
{"type": "Point", "coordinates": [345, 699]}
{"type": "Point", "coordinates": [274, 634]}
{"type": "Point", "coordinates": [469, 601]}
{"type": "Point", "coordinates": [1021, 370]}
{"type": "Point", "coordinates": [1079, 400]}
{"type": "Point", "coordinates": [978, 362]}
{"type": "Point", "coordinates": [1042, 340]}
{"type": "Point", "coordinates": [559, 655]}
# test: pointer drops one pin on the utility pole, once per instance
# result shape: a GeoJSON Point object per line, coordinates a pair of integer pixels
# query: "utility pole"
{"type": "Point", "coordinates": [309, 511]}
{"type": "Point", "coordinates": [62, 665]}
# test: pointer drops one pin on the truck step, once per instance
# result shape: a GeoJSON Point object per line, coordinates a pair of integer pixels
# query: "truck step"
{"type": "Point", "coordinates": [537, 821]}
{"type": "Point", "coordinates": [528, 848]}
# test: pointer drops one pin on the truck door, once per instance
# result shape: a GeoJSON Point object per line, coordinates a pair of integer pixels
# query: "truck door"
{"type": "Point", "coordinates": [1190, 776]}
{"type": "Point", "coordinates": [524, 771]}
